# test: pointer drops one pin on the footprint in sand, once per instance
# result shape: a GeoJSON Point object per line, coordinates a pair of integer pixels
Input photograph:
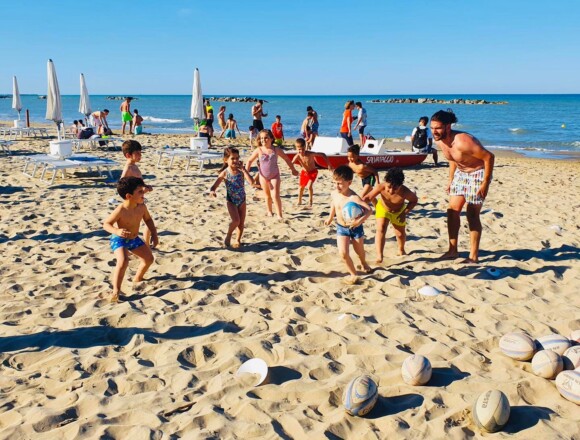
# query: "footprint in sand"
{"type": "Point", "coordinates": [69, 311]}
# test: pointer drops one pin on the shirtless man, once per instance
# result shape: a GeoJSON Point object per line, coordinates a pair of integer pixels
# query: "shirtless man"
{"type": "Point", "coordinates": [126, 115]}
{"type": "Point", "coordinates": [470, 172]}
{"type": "Point", "coordinates": [309, 171]}
{"type": "Point", "coordinates": [100, 120]}
{"type": "Point", "coordinates": [258, 114]}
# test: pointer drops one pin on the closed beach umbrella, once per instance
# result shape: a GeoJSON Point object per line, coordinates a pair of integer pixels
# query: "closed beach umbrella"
{"type": "Point", "coordinates": [53, 102]}
{"type": "Point", "coordinates": [85, 103]}
{"type": "Point", "coordinates": [16, 102]}
{"type": "Point", "coordinates": [197, 111]}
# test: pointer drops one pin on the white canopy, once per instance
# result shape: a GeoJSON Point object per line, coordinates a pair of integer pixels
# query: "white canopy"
{"type": "Point", "coordinates": [197, 112]}
{"type": "Point", "coordinates": [53, 102]}
{"type": "Point", "coordinates": [85, 103]}
{"type": "Point", "coordinates": [16, 102]}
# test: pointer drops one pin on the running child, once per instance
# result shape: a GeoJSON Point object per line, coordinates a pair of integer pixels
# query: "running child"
{"type": "Point", "coordinates": [353, 233]}
{"type": "Point", "coordinates": [252, 134]}
{"type": "Point", "coordinates": [309, 171]}
{"type": "Point", "coordinates": [125, 235]}
{"type": "Point", "coordinates": [132, 152]}
{"type": "Point", "coordinates": [369, 176]}
{"type": "Point", "coordinates": [233, 174]}
{"type": "Point", "coordinates": [267, 155]}
{"type": "Point", "coordinates": [395, 203]}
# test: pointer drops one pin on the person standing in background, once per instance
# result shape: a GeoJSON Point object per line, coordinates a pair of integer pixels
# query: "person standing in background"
{"type": "Point", "coordinates": [278, 131]}
{"type": "Point", "coordinates": [422, 139]}
{"type": "Point", "coordinates": [346, 125]}
{"type": "Point", "coordinates": [126, 115]}
{"type": "Point", "coordinates": [258, 114]}
{"type": "Point", "coordinates": [361, 122]}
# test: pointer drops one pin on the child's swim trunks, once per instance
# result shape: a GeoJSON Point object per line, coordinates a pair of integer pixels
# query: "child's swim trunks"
{"type": "Point", "coordinates": [369, 180]}
{"type": "Point", "coordinates": [467, 185]}
{"type": "Point", "coordinates": [117, 242]}
{"type": "Point", "coordinates": [307, 176]}
{"type": "Point", "coordinates": [357, 232]}
{"type": "Point", "coordinates": [381, 212]}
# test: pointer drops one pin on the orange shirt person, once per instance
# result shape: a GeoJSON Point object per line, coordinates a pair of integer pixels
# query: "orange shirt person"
{"type": "Point", "coordinates": [346, 126]}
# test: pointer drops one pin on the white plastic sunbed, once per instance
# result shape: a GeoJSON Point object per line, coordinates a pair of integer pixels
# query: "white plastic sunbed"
{"type": "Point", "coordinates": [13, 133]}
{"type": "Point", "coordinates": [48, 163]}
{"type": "Point", "coordinates": [199, 156]}
{"type": "Point", "coordinates": [5, 146]}
{"type": "Point", "coordinates": [94, 142]}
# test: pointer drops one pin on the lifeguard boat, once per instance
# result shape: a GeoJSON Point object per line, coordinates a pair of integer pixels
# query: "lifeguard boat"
{"type": "Point", "coordinates": [374, 153]}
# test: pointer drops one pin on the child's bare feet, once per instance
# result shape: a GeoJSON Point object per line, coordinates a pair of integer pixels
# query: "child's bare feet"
{"type": "Point", "coordinates": [115, 297]}
{"type": "Point", "coordinates": [449, 255]}
{"type": "Point", "coordinates": [402, 252]}
{"type": "Point", "coordinates": [227, 243]}
{"type": "Point", "coordinates": [367, 268]}
{"type": "Point", "coordinates": [236, 245]}
{"type": "Point", "coordinates": [379, 259]}
{"type": "Point", "coordinates": [351, 280]}
{"type": "Point", "coordinates": [309, 206]}
{"type": "Point", "coordinates": [269, 214]}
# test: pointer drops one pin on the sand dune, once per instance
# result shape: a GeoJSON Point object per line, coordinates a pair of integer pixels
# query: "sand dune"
{"type": "Point", "coordinates": [162, 364]}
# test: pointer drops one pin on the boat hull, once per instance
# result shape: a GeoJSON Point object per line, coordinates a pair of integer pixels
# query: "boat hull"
{"type": "Point", "coordinates": [377, 161]}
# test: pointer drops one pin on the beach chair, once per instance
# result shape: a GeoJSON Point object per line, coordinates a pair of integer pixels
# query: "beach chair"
{"type": "Point", "coordinates": [197, 155]}
{"type": "Point", "coordinates": [5, 145]}
{"type": "Point", "coordinates": [110, 142]}
{"type": "Point", "coordinates": [45, 163]}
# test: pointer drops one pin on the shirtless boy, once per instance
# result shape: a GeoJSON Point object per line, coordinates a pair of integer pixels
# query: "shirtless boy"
{"type": "Point", "coordinates": [368, 174]}
{"type": "Point", "coordinates": [123, 225]}
{"type": "Point", "coordinates": [470, 172]}
{"type": "Point", "coordinates": [347, 234]}
{"type": "Point", "coordinates": [126, 114]}
{"type": "Point", "coordinates": [394, 203]}
{"type": "Point", "coordinates": [309, 172]}
{"type": "Point", "coordinates": [132, 152]}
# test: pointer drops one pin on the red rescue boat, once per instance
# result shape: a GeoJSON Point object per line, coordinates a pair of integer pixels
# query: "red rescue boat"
{"type": "Point", "coordinates": [373, 153]}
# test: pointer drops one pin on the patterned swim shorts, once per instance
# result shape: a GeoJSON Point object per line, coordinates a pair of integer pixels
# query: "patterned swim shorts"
{"type": "Point", "coordinates": [467, 185]}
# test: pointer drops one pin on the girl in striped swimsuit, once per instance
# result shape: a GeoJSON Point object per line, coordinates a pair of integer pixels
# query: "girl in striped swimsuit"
{"type": "Point", "coordinates": [233, 174]}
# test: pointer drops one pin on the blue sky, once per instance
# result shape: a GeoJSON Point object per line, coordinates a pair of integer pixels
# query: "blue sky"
{"type": "Point", "coordinates": [293, 47]}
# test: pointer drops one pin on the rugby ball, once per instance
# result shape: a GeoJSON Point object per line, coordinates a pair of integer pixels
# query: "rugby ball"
{"type": "Point", "coordinates": [547, 364]}
{"type": "Point", "coordinates": [416, 370]}
{"type": "Point", "coordinates": [554, 342]}
{"type": "Point", "coordinates": [351, 211]}
{"type": "Point", "coordinates": [571, 358]}
{"type": "Point", "coordinates": [518, 346]}
{"type": "Point", "coordinates": [568, 384]}
{"type": "Point", "coordinates": [575, 337]}
{"type": "Point", "coordinates": [360, 395]}
{"type": "Point", "coordinates": [491, 411]}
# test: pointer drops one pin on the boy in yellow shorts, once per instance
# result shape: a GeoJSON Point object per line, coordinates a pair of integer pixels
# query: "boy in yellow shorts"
{"type": "Point", "coordinates": [395, 203]}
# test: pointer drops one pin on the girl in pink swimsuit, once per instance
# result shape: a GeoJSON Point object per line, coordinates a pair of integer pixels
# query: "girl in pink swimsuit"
{"type": "Point", "coordinates": [267, 154]}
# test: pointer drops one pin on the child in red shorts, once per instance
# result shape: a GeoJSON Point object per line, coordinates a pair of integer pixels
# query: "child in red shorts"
{"type": "Point", "coordinates": [309, 171]}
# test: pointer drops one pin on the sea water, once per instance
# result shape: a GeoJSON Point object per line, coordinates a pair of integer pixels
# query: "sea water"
{"type": "Point", "coordinates": [538, 123]}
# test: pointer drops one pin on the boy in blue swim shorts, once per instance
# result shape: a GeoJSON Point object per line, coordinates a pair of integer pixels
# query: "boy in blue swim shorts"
{"type": "Point", "coordinates": [348, 233]}
{"type": "Point", "coordinates": [395, 201]}
{"type": "Point", "coordinates": [123, 225]}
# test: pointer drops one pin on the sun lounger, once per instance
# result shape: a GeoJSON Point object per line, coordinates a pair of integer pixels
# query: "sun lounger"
{"type": "Point", "coordinates": [201, 157]}
{"type": "Point", "coordinates": [5, 145]}
{"type": "Point", "coordinates": [14, 133]}
{"type": "Point", "coordinates": [113, 142]}
{"type": "Point", "coordinates": [46, 163]}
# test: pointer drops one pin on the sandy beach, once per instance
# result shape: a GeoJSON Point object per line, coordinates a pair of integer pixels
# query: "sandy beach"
{"type": "Point", "coordinates": [162, 363]}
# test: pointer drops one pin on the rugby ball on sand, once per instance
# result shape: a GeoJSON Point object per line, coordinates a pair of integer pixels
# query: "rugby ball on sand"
{"type": "Point", "coordinates": [518, 346]}
{"type": "Point", "coordinates": [360, 396]}
{"type": "Point", "coordinates": [568, 384]}
{"type": "Point", "coordinates": [416, 370]}
{"type": "Point", "coordinates": [571, 358]}
{"type": "Point", "coordinates": [547, 364]}
{"type": "Point", "coordinates": [575, 337]}
{"type": "Point", "coordinates": [557, 343]}
{"type": "Point", "coordinates": [491, 411]}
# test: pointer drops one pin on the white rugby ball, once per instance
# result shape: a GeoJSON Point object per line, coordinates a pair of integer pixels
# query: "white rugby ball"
{"type": "Point", "coordinates": [568, 384]}
{"type": "Point", "coordinates": [518, 346]}
{"type": "Point", "coordinates": [360, 395]}
{"type": "Point", "coordinates": [416, 370]}
{"type": "Point", "coordinates": [547, 364]}
{"type": "Point", "coordinates": [491, 411]}
{"type": "Point", "coordinates": [554, 342]}
{"type": "Point", "coordinates": [571, 358]}
{"type": "Point", "coordinates": [575, 337]}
